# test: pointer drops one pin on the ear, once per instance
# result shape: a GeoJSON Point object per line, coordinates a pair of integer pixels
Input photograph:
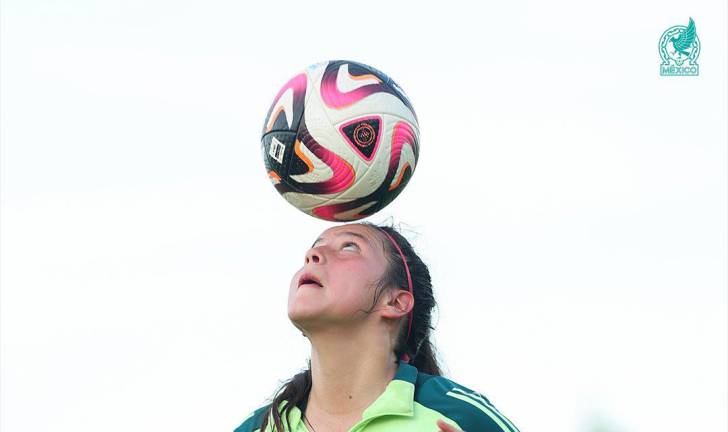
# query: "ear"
{"type": "Point", "coordinates": [398, 304]}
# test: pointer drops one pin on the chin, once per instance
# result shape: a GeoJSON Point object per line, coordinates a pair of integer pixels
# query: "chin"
{"type": "Point", "coordinates": [299, 316]}
{"type": "Point", "coordinates": [307, 320]}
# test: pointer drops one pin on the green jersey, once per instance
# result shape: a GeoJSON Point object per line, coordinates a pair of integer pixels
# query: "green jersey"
{"type": "Point", "coordinates": [412, 402]}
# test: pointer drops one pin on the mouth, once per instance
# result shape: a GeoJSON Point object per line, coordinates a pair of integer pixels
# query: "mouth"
{"type": "Point", "coordinates": [309, 279]}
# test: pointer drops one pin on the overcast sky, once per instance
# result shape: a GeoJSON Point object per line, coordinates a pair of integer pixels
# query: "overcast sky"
{"type": "Point", "coordinates": [570, 201]}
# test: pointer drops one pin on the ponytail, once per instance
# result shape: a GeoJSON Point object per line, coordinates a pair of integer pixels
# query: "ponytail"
{"type": "Point", "coordinates": [294, 393]}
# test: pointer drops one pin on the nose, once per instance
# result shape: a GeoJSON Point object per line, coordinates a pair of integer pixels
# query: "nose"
{"type": "Point", "coordinates": [314, 255]}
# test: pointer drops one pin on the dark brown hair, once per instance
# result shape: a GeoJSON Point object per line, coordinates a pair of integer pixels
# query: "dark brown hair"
{"type": "Point", "coordinates": [418, 346]}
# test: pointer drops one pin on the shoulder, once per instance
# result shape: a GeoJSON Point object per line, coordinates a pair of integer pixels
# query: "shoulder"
{"type": "Point", "coordinates": [469, 409]}
{"type": "Point", "coordinates": [254, 420]}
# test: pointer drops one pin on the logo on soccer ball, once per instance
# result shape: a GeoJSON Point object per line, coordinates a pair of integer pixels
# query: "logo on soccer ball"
{"type": "Point", "coordinates": [364, 135]}
{"type": "Point", "coordinates": [679, 49]}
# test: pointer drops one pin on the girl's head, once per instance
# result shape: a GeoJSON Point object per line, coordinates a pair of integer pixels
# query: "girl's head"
{"type": "Point", "coordinates": [354, 279]}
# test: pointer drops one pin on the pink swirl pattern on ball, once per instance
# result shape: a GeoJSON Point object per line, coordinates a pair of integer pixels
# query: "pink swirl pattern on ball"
{"type": "Point", "coordinates": [402, 135]}
{"type": "Point", "coordinates": [343, 173]}
{"type": "Point", "coordinates": [298, 83]}
{"type": "Point", "coordinates": [333, 98]}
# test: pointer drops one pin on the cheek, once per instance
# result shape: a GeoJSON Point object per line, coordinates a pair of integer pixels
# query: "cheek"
{"type": "Point", "coordinates": [292, 285]}
{"type": "Point", "coordinates": [354, 292]}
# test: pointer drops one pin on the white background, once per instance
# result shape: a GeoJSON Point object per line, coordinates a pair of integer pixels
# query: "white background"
{"type": "Point", "coordinates": [570, 201]}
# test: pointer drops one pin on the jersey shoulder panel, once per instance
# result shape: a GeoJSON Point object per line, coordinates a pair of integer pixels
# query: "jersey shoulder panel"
{"type": "Point", "coordinates": [253, 421]}
{"type": "Point", "coordinates": [469, 409]}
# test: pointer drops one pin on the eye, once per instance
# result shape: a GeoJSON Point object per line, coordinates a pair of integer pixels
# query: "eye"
{"type": "Point", "coordinates": [350, 244]}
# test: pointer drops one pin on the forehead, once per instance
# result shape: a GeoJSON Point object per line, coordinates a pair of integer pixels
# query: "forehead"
{"type": "Point", "coordinates": [355, 230]}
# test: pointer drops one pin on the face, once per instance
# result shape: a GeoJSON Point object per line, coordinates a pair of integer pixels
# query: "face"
{"type": "Point", "coordinates": [338, 279]}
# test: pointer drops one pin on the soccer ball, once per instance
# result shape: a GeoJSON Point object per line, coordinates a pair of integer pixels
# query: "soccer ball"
{"type": "Point", "coordinates": [340, 141]}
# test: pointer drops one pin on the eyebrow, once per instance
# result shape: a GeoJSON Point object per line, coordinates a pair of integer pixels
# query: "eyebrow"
{"type": "Point", "coordinates": [351, 233]}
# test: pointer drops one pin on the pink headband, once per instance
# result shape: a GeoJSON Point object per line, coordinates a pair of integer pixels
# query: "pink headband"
{"type": "Point", "coordinates": [405, 356]}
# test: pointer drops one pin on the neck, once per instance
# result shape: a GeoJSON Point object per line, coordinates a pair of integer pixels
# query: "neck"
{"type": "Point", "coordinates": [349, 370]}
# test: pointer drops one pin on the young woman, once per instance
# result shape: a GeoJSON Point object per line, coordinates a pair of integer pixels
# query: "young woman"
{"type": "Point", "coordinates": [364, 300]}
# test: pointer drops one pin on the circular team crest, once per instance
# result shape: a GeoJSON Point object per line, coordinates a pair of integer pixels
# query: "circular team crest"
{"type": "Point", "coordinates": [679, 49]}
{"type": "Point", "coordinates": [364, 135]}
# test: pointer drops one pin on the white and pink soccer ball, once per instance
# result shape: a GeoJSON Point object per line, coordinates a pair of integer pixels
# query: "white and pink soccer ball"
{"type": "Point", "coordinates": [340, 141]}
